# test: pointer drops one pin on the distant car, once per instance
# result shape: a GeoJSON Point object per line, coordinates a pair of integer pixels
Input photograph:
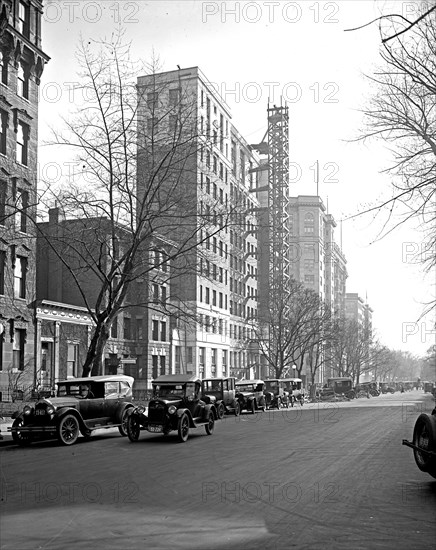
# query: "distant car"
{"type": "Point", "coordinates": [294, 386]}
{"type": "Point", "coordinates": [276, 393]}
{"type": "Point", "coordinates": [424, 442]}
{"type": "Point", "coordinates": [222, 393]}
{"type": "Point", "coordinates": [81, 405]}
{"type": "Point", "coordinates": [250, 395]}
{"type": "Point", "coordinates": [174, 406]}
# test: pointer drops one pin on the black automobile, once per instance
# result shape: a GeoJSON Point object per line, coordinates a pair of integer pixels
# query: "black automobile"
{"type": "Point", "coordinates": [222, 393]}
{"type": "Point", "coordinates": [175, 406]}
{"type": "Point", "coordinates": [81, 405]}
{"type": "Point", "coordinates": [250, 395]}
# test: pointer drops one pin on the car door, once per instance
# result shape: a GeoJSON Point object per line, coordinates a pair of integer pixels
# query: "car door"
{"type": "Point", "coordinates": [112, 401]}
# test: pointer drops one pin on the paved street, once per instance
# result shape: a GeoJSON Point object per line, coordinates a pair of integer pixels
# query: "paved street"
{"type": "Point", "coordinates": [327, 476]}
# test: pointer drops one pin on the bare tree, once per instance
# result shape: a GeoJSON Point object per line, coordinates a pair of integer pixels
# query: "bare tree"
{"type": "Point", "coordinates": [402, 113]}
{"type": "Point", "coordinates": [137, 159]}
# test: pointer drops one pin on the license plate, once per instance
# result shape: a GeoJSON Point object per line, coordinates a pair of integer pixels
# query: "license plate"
{"type": "Point", "coordinates": [154, 428]}
{"type": "Point", "coordinates": [39, 412]}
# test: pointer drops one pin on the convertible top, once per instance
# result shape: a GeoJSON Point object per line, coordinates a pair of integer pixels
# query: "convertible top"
{"type": "Point", "coordinates": [176, 379]}
{"type": "Point", "coordinates": [103, 378]}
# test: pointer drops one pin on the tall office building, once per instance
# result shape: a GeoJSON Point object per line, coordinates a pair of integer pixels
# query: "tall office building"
{"type": "Point", "coordinates": [21, 64]}
{"type": "Point", "coordinates": [186, 128]}
{"type": "Point", "coordinates": [316, 258]}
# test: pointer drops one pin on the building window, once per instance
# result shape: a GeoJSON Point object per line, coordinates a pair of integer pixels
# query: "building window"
{"type": "Point", "coordinates": [2, 274]}
{"type": "Point", "coordinates": [20, 277]}
{"type": "Point", "coordinates": [174, 96]}
{"type": "Point", "coordinates": [162, 364]}
{"type": "Point", "coordinates": [18, 349]}
{"type": "Point", "coordinates": [23, 80]}
{"type": "Point", "coordinates": [3, 68]}
{"type": "Point", "coordinates": [23, 19]}
{"type": "Point", "coordinates": [139, 329]}
{"type": "Point", "coordinates": [127, 328]}
{"type": "Point", "coordinates": [46, 356]}
{"type": "Point", "coordinates": [155, 365]}
{"type": "Point", "coordinates": [21, 215]}
{"type": "Point", "coordinates": [207, 295]}
{"type": "Point", "coordinates": [3, 135]}
{"type": "Point", "coordinates": [155, 330]}
{"type": "Point", "coordinates": [114, 328]}
{"type": "Point", "coordinates": [163, 295]}
{"type": "Point", "coordinates": [189, 357]}
{"type": "Point", "coordinates": [201, 355]}
{"type": "Point", "coordinates": [155, 293]}
{"type": "Point", "coordinates": [72, 359]}
{"type": "Point", "coordinates": [163, 331]}
{"type": "Point", "coordinates": [22, 143]}
{"type": "Point", "coordinates": [152, 99]}
{"type": "Point", "coordinates": [214, 297]}
{"type": "Point", "coordinates": [309, 223]}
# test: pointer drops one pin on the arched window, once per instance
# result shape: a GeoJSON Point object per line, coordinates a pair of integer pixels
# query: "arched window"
{"type": "Point", "coordinates": [309, 223]}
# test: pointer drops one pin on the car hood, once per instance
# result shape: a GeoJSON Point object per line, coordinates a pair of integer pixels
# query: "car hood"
{"type": "Point", "coordinates": [174, 401]}
{"type": "Point", "coordinates": [59, 402]}
{"type": "Point", "coordinates": [244, 393]}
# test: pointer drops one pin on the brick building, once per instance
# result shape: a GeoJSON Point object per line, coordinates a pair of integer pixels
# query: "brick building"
{"type": "Point", "coordinates": [21, 65]}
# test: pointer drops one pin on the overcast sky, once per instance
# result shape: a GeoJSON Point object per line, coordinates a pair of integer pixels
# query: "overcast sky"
{"type": "Point", "coordinates": [255, 51]}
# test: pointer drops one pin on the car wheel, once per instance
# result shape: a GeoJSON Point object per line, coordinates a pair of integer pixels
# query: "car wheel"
{"type": "Point", "coordinates": [424, 436]}
{"type": "Point", "coordinates": [183, 428]}
{"type": "Point", "coordinates": [124, 418]}
{"type": "Point", "coordinates": [210, 426]}
{"type": "Point", "coordinates": [237, 409]}
{"type": "Point", "coordinates": [68, 429]}
{"type": "Point", "coordinates": [20, 438]}
{"type": "Point", "coordinates": [133, 428]}
{"type": "Point", "coordinates": [221, 411]}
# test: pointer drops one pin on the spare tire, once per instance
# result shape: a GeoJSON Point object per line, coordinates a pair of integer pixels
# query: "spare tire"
{"type": "Point", "coordinates": [424, 437]}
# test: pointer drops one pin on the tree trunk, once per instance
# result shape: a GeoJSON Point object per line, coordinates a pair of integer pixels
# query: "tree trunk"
{"type": "Point", "coordinates": [94, 359]}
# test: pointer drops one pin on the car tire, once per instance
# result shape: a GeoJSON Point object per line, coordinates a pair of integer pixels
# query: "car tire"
{"type": "Point", "coordinates": [133, 428]}
{"type": "Point", "coordinates": [22, 439]}
{"type": "Point", "coordinates": [183, 428]}
{"type": "Point", "coordinates": [424, 436]}
{"type": "Point", "coordinates": [124, 419]}
{"type": "Point", "coordinates": [237, 409]}
{"type": "Point", "coordinates": [68, 429]}
{"type": "Point", "coordinates": [221, 411]}
{"type": "Point", "coordinates": [210, 426]}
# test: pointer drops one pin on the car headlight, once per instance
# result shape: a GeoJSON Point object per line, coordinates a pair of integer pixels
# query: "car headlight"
{"type": "Point", "coordinates": [172, 409]}
{"type": "Point", "coordinates": [27, 410]}
{"type": "Point", "coordinates": [50, 409]}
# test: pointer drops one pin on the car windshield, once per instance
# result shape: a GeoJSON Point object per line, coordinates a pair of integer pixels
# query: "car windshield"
{"type": "Point", "coordinates": [167, 391]}
{"type": "Point", "coordinates": [245, 387]}
{"type": "Point", "coordinates": [271, 385]}
{"type": "Point", "coordinates": [69, 389]}
{"type": "Point", "coordinates": [212, 385]}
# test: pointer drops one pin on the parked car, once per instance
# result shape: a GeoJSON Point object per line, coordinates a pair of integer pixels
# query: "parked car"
{"type": "Point", "coordinates": [342, 385]}
{"type": "Point", "coordinates": [424, 442]}
{"type": "Point", "coordinates": [175, 406]}
{"type": "Point", "coordinates": [387, 387]}
{"type": "Point", "coordinates": [428, 387]}
{"type": "Point", "coordinates": [250, 395]}
{"type": "Point", "coordinates": [294, 386]}
{"type": "Point", "coordinates": [276, 394]}
{"type": "Point", "coordinates": [222, 393]}
{"type": "Point", "coordinates": [81, 405]}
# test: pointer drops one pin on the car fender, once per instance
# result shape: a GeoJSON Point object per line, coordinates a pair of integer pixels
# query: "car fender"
{"type": "Point", "coordinates": [181, 412]}
{"type": "Point", "coordinates": [122, 408]}
{"type": "Point", "coordinates": [212, 408]}
{"type": "Point", "coordinates": [59, 414]}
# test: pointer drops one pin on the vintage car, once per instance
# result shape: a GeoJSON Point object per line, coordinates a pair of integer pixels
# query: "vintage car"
{"type": "Point", "coordinates": [250, 395]}
{"type": "Point", "coordinates": [175, 406]}
{"type": "Point", "coordinates": [342, 385]}
{"type": "Point", "coordinates": [222, 393]}
{"type": "Point", "coordinates": [387, 387]}
{"type": "Point", "coordinates": [276, 393]}
{"type": "Point", "coordinates": [294, 386]}
{"type": "Point", "coordinates": [81, 405]}
{"type": "Point", "coordinates": [428, 387]}
{"type": "Point", "coordinates": [424, 442]}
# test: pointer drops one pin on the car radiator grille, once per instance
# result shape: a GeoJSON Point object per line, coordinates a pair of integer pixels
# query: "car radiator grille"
{"type": "Point", "coordinates": [156, 413]}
